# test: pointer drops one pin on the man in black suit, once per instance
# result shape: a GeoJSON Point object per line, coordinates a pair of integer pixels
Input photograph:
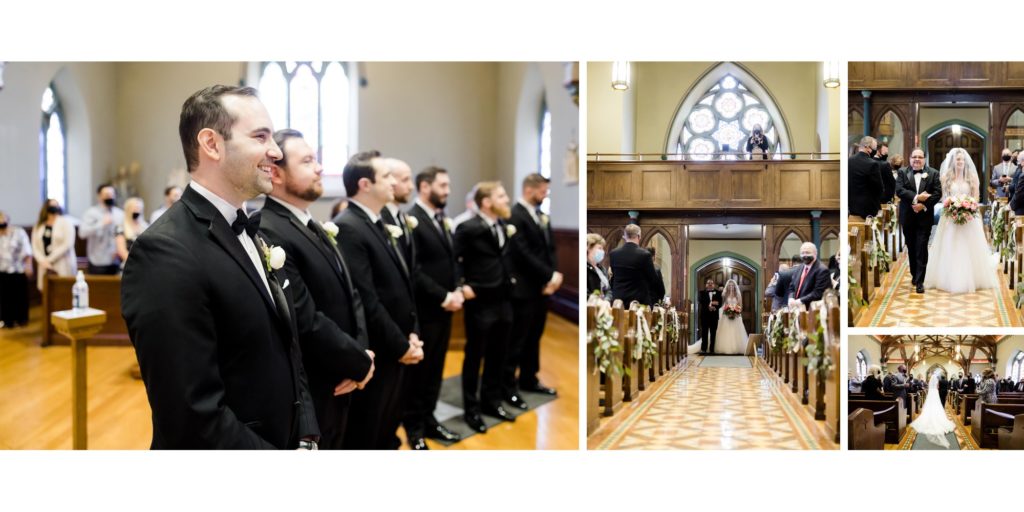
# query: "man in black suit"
{"type": "Point", "coordinates": [969, 386]}
{"type": "Point", "coordinates": [209, 315]}
{"type": "Point", "coordinates": [535, 278]}
{"type": "Point", "coordinates": [708, 301]}
{"type": "Point", "coordinates": [943, 389]}
{"type": "Point", "coordinates": [864, 184]}
{"type": "Point", "coordinates": [782, 287]}
{"type": "Point", "coordinates": [658, 291]}
{"type": "Point", "coordinates": [384, 283]}
{"type": "Point", "coordinates": [919, 191]}
{"type": "Point", "coordinates": [885, 171]}
{"type": "Point", "coordinates": [809, 279]}
{"type": "Point", "coordinates": [438, 295]}
{"type": "Point", "coordinates": [1020, 386]}
{"type": "Point", "coordinates": [483, 250]}
{"type": "Point", "coordinates": [633, 275]}
{"type": "Point", "coordinates": [331, 323]}
{"type": "Point", "coordinates": [394, 216]}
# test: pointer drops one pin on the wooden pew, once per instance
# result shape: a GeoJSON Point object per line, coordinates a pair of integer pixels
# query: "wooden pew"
{"type": "Point", "coordinates": [969, 402]}
{"type": "Point", "coordinates": [612, 396]}
{"type": "Point", "coordinates": [889, 412]}
{"type": "Point", "coordinates": [988, 419]}
{"type": "Point", "coordinates": [1014, 439]}
{"type": "Point", "coordinates": [627, 333]}
{"type": "Point", "coordinates": [593, 379]}
{"type": "Point", "coordinates": [104, 293]}
{"type": "Point", "coordinates": [863, 433]}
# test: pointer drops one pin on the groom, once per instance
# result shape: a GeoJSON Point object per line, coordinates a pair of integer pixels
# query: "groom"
{"type": "Point", "coordinates": [919, 191]}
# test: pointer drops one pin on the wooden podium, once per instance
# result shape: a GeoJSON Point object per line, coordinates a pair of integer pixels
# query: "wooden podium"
{"type": "Point", "coordinates": [78, 325]}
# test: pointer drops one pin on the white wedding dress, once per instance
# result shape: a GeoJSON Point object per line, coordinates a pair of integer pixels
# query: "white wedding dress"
{"type": "Point", "coordinates": [959, 258]}
{"type": "Point", "coordinates": [731, 336]}
{"type": "Point", "coordinates": [933, 422]}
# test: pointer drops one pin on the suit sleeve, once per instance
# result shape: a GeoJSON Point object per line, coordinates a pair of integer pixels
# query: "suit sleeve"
{"type": "Point", "coordinates": [171, 325]}
{"type": "Point", "coordinates": [390, 340]}
{"type": "Point", "coordinates": [904, 190]}
{"type": "Point", "coordinates": [936, 192]}
{"type": "Point", "coordinates": [527, 261]}
{"type": "Point", "coordinates": [462, 240]}
{"type": "Point", "coordinates": [422, 282]}
{"type": "Point", "coordinates": [815, 292]}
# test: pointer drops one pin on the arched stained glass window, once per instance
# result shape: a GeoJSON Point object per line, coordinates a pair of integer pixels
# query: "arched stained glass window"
{"type": "Point", "coordinates": [53, 170]}
{"type": "Point", "coordinates": [862, 366]}
{"type": "Point", "coordinates": [1018, 365]}
{"type": "Point", "coordinates": [722, 120]}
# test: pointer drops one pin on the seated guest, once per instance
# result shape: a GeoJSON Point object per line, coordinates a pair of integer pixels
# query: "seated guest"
{"type": "Point", "coordinates": [53, 243]}
{"type": "Point", "coordinates": [131, 228]}
{"type": "Point", "coordinates": [15, 270]}
{"type": "Point", "coordinates": [872, 386]}
{"type": "Point", "coordinates": [596, 278]}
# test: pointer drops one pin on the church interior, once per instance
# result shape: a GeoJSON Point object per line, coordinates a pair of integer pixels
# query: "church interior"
{"type": "Point", "coordinates": [936, 106]}
{"type": "Point", "coordinates": [666, 152]}
{"type": "Point", "coordinates": [67, 127]}
{"type": "Point", "coordinates": [876, 424]}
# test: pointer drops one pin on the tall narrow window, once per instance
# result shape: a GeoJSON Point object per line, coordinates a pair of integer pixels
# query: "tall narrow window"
{"type": "Point", "coordinates": [53, 171]}
{"type": "Point", "coordinates": [1016, 370]}
{"type": "Point", "coordinates": [862, 366]}
{"type": "Point", "coordinates": [545, 151]}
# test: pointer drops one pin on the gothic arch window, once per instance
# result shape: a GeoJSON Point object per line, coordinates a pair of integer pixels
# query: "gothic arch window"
{"type": "Point", "coordinates": [1017, 368]}
{"type": "Point", "coordinates": [1014, 132]}
{"type": "Point", "coordinates": [53, 167]}
{"type": "Point", "coordinates": [719, 114]}
{"type": "Point", "coordinates": [544, 153]}
{"type": "Point", "coordinates": [318, 99]}
{"type": "Point", "coordinates": [862, 366]}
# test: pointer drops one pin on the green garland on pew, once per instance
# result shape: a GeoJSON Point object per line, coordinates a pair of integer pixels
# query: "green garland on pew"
{"type": "Point", "coordinates": [851, 285]}
{"type": "Point", "coordinates": [998, 227]}
{"type": "Point", "coordinates": [659, 322]}
{"type": "Point", "coordinates": [672, 326]}
{"type": "Point", "coordinates": [645, 346]}
{"type": "Point", "coordinates": [880, 257]}
{"type": "Point", "coordinates": [817, 357]}
{"type": "Point", "coordinates": [606, 342]}
{"type": "Point", "coordinates": [1018, 294]}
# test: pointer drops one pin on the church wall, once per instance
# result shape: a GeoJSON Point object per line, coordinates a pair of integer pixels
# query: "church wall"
{"type": "Point", "coordinates": [1005, 350]}
{"type": "Point", "coordinates": [950, 367]}
{"type": "Point", "coordinates": [931, 116]}
{"type": "Point", "coordinates": [700, 249]}
{"type": "Point", "coordinates": [604, 110]}
{"type": "Point", "coordinates": [828, 120]}
{"type": "Point", "coordinates": [856, 344]}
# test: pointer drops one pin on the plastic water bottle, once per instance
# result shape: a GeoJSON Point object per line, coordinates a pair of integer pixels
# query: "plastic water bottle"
{"type": "Point", "coordinates": [80, 292]}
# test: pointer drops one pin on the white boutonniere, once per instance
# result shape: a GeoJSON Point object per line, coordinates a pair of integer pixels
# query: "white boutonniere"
{"type": "Point", "coordinates": [510, 230]}
{"type": "Point", "coordinates": [412, 222]}
{"type": "Point", "coordinates": [544, 220]}
{"type": "Point", "coordinates": [273, 256]}
{"type": "Point", "coordinates": [332, 231]}
{"type": "Point", "coordinates": [448, 224]}
{"type": "Point", "coordinates": [394, 231]}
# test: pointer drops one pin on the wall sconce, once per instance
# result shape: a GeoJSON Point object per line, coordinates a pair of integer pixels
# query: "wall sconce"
{"type": "Point", "coordinates": [620, 75]}
{"type": "Point", "coordinates": [957, 130]}
{"type": "Point", "coordinates": [572, 81]}
{"type": "Point", "coordinates": [2, 75]}
{"type": "Point", "coordinates": [831, 74]}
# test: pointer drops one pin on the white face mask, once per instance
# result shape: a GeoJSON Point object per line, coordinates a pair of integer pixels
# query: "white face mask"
{"type": "Point", "coordinates": [598, 256]}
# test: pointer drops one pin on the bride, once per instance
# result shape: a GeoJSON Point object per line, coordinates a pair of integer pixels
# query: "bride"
{"type": "Point", "coordinates": [731, 336]}
{"type": "Point", "coordinates": [959, 259]}
{"type": "Point", "coordinates": [932, 422]}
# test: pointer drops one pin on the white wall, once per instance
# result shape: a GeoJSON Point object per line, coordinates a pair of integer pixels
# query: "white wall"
{"type": "Point", "coordinates": [858, 343]}
{"type": "Point", "coordinates": [1005, 350]}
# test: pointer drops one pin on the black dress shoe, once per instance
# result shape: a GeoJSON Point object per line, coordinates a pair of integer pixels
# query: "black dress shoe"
{"type": "Point", "coordinates": [441, 433]}
{"type": "Point", "coordinates": [517, 401]}
{"type": "Point", "coordinates": [539, 388]}
{"type": "Point", "coordinates": [920, 288]}
{"type": "Point", "coordinates": [418, 444]}
{"type": "Point", "coordinates": [499, 412]}
{"type": "Point", "coordinates": [475, 422]}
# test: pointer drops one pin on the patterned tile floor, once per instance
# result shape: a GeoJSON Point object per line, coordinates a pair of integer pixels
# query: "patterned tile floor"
{"type": "Point", "coordinates": [896, 305]}
{"type": "Point", "coordinates": [699, 407]}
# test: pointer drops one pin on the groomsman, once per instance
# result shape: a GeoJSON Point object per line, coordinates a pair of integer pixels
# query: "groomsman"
{"type": "Point", "coordinates": [392, 215]}
{"type": "Point", "coordinates": [384, 283]}
{"type": "Point", "coordinates": [919, 190]}
{"type": "Point", "coordinates": [483, 249]}
{"type": "Point", "coordinates": [437, 297]}
{"type": "Point", "coordinates": [864, 184]}
{"type": "Point", "coordinates": [808, 280]}
{"type": "Point", "coordinates": [331, 323]}
{"type": "Point", "coordinates": [212, 324]}
{"type": "Point", "coordinates": [535, 278]}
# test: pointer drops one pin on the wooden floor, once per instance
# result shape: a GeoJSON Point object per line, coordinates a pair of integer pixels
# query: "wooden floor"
{"type": "Point", "coordinates": [35, 396]}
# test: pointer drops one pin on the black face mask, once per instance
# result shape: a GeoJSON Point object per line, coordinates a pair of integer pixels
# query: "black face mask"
{"type": "Point", "coordinates": [109, 202]}
{"type": "Point", "coordinates": [3, 226]}
{"type": "Point", "coordinates": [807, 259]}
{"type": "Point", "coordinates": [53, 209]}
{"type": "Point", "coordinates": [1006, 158]}
{"type": "Point", "coordinates": [873, 152]}
{"type": "Point", "coordinates": [136, 215]}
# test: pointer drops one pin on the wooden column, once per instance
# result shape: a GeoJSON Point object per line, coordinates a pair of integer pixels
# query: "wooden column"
{"type": "Point", "coordinates": [79, 325]}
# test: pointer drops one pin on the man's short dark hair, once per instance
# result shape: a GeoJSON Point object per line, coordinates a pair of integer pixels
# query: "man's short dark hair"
{"type": "Point", "coordinates": [204, 109]}
{"type": "Point", "coordinates": [280, 137]}
{"type": "Point", "coordinates": [534, 180]}
{"type": "Point", "coordinates": [167, 191]}
{"type": "Point", "coordinates": [428, 175]}
{"type": "Point", "coordinates": [103, 186]}
{"type": "Point", "coordinates": [358, 167]}
{"type": "Point", "coordinates": [882, 144]}
{"type": "Point", "coordinates": [795, 259]}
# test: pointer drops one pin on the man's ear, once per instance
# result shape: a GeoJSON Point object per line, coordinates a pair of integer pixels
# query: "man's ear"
{"type": "Point", "coordinates": [211, 144]}
{"type": "Point", "coordinates": [276, 175]}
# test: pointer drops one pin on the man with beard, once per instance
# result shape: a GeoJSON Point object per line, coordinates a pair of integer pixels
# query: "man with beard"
{"type": "Point", "coordinates": [483, 249]}
{"type": "Point", "coordinates": [392, 215]}
{"type": "Point", "coordinates": [919, 190]}
{"type": "Point", "coordinates": [384, 283]}
{"type": "Point", "coordinates": [437, 297]}
{"type": "Point", "coordinates": [330, 318]}
{"type": "Point", "coordinates": [212, 323]}
{"type": "Point", "coordinates": [535, 279]}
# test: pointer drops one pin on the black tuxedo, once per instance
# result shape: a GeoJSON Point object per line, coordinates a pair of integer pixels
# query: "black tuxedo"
{"type": "Point", "coordinates": [534, 262]}
{"type": "Point", "coordinates": [814, 283]}
{"type": "Point", "coordinates": [864, 185]}
{"type": "Point", "coordinates": [435, 275]}
{"type": "Point", "coordinates": [219, 356]}
{"type": "Point", "coordinates": [633, 275]}
{"type": "Point", "coordinates": [406, 245]}
{"type": "Point", "coordinates": [968, 386]}
{"type": "Point", "coordinates": [917, 227]}
{"type": "Point", "coordinates": [384, 284]}
{"type": "Point", "coordinates": [708, 318]}
{"type": "Point", "coordinates": [943, 389]}
{"type": "Point", "coordinates": [486, 268]}
{"type": "Point", "coordinates": [331, 322]}
{"type": "Point", "coordinates": [888, 181]}
{"type": "Point", "coordinates": [782, 291]}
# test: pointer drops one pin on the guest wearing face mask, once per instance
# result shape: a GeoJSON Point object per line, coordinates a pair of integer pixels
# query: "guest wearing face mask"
{"type": "Point", "coordinates": [885, 170]}
{"type": "Point", "coordinates": [1002, 174]}
{"type": "Point", "coordinates": [15, 270]}
{"type": "Point", "coordinates": [809, 279]}
{"type": "Point", "coordinates": [53, 243]}
{"type": "Point", "coordinates": [596, 278]}
{"type": "Point", "coordinates": [98, 229]}
{"type": "Point", "coordinates": [864, 185]}
{"type": "Point", "coordinates": [757, 143]}
{"type": "Point", "coordinates": [133, 226]}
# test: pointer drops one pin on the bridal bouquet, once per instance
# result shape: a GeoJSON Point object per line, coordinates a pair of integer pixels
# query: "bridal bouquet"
{"type": "Point", "coordinates": [732, 310]}
{"type": "Point", "coordinates": [960, 209]}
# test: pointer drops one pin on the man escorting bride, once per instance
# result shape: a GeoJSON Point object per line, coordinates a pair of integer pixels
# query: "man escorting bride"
{"type": "Point", "coordinates": [960, 255]}
{"type": "Point", "coordinates": [731, 334]}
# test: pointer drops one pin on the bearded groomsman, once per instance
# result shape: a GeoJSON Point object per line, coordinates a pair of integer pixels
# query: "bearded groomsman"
{"type": "Point", "coordinates": [535, 279]}
{"type": "Point", "coordinates": [211, 320]}
{"type": "Point", "coordinates": [437, 297]}
{"type": "Point", "coordinates": [384, 283]}
{"type": "Point", "coordinates": [331, 322]}
{"type": "Point", "coordinates": [394, 216]}
{"type": "Point", "coordinates": [482, 248]}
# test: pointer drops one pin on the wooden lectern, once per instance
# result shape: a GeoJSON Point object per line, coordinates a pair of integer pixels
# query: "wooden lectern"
{"type": "Point", "coordinates": [78, 325]}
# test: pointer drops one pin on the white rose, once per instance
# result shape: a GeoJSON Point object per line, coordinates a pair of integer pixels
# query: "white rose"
{"type": "Point", "coordinates": [277, 257]}
{"type": "Point", "coordinates": [412, 222]}
{"type": "Point", "coordinates": [331, 228]}
{"type": "Point", "coordinates": [544, 220]}
{"type": "Point", "coordinates": [448, 223]}
{"type": "Point", "coordinates": [394, 231]}
{"type": "Point", "coordinates": [510, 230]}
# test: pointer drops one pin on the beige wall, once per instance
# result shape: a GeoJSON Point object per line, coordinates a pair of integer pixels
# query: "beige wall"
{"type": "Point", "coordinates": [604, 110]}
{"type": "Point", "coordinates": [931, 116]}
{"type": "Point", "coordinates": [700, 249]}
{"type": "Point", "coordinates": [858, 343]}
{"type": "Point", "coordinates": [1005, 350]}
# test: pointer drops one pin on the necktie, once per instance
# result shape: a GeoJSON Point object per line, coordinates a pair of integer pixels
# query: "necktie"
{"type": "Point", "coordinates": [394, 246]}
{"type": "Point", "coordinates": [802, 276]}
{"type": "Point", "coordinates": [543, 228]}
{"type": "Point", "coordinates": [497, 237]}
{"type": "Point", "coordinates": [439, 217]}
{"type": "Point", "coordinates": [250, 224]}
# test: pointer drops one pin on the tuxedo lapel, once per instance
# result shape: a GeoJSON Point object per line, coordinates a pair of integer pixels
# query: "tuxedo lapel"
{"type": "Point", "coordinates": [443, 236]}
{"type": "Point", "coordinates": [390, 247]}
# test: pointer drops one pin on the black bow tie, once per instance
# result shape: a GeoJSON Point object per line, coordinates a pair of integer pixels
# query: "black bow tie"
{"type": "Point", "coordinates": [918, 171]}
{"type": "Point", "coordinates": [250, 224]}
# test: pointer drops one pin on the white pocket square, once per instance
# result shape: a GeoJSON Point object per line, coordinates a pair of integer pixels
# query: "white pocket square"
{"type": "Point", "coordinates": [286, 283]}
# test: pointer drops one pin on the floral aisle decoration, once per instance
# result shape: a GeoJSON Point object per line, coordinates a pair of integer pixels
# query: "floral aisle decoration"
{"type": "Point", "coordinates": [645, 346]}
{"type": "Point", "coordinates": [606, 340]}
{"type": "Point", "coordinates": [880, 257]}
